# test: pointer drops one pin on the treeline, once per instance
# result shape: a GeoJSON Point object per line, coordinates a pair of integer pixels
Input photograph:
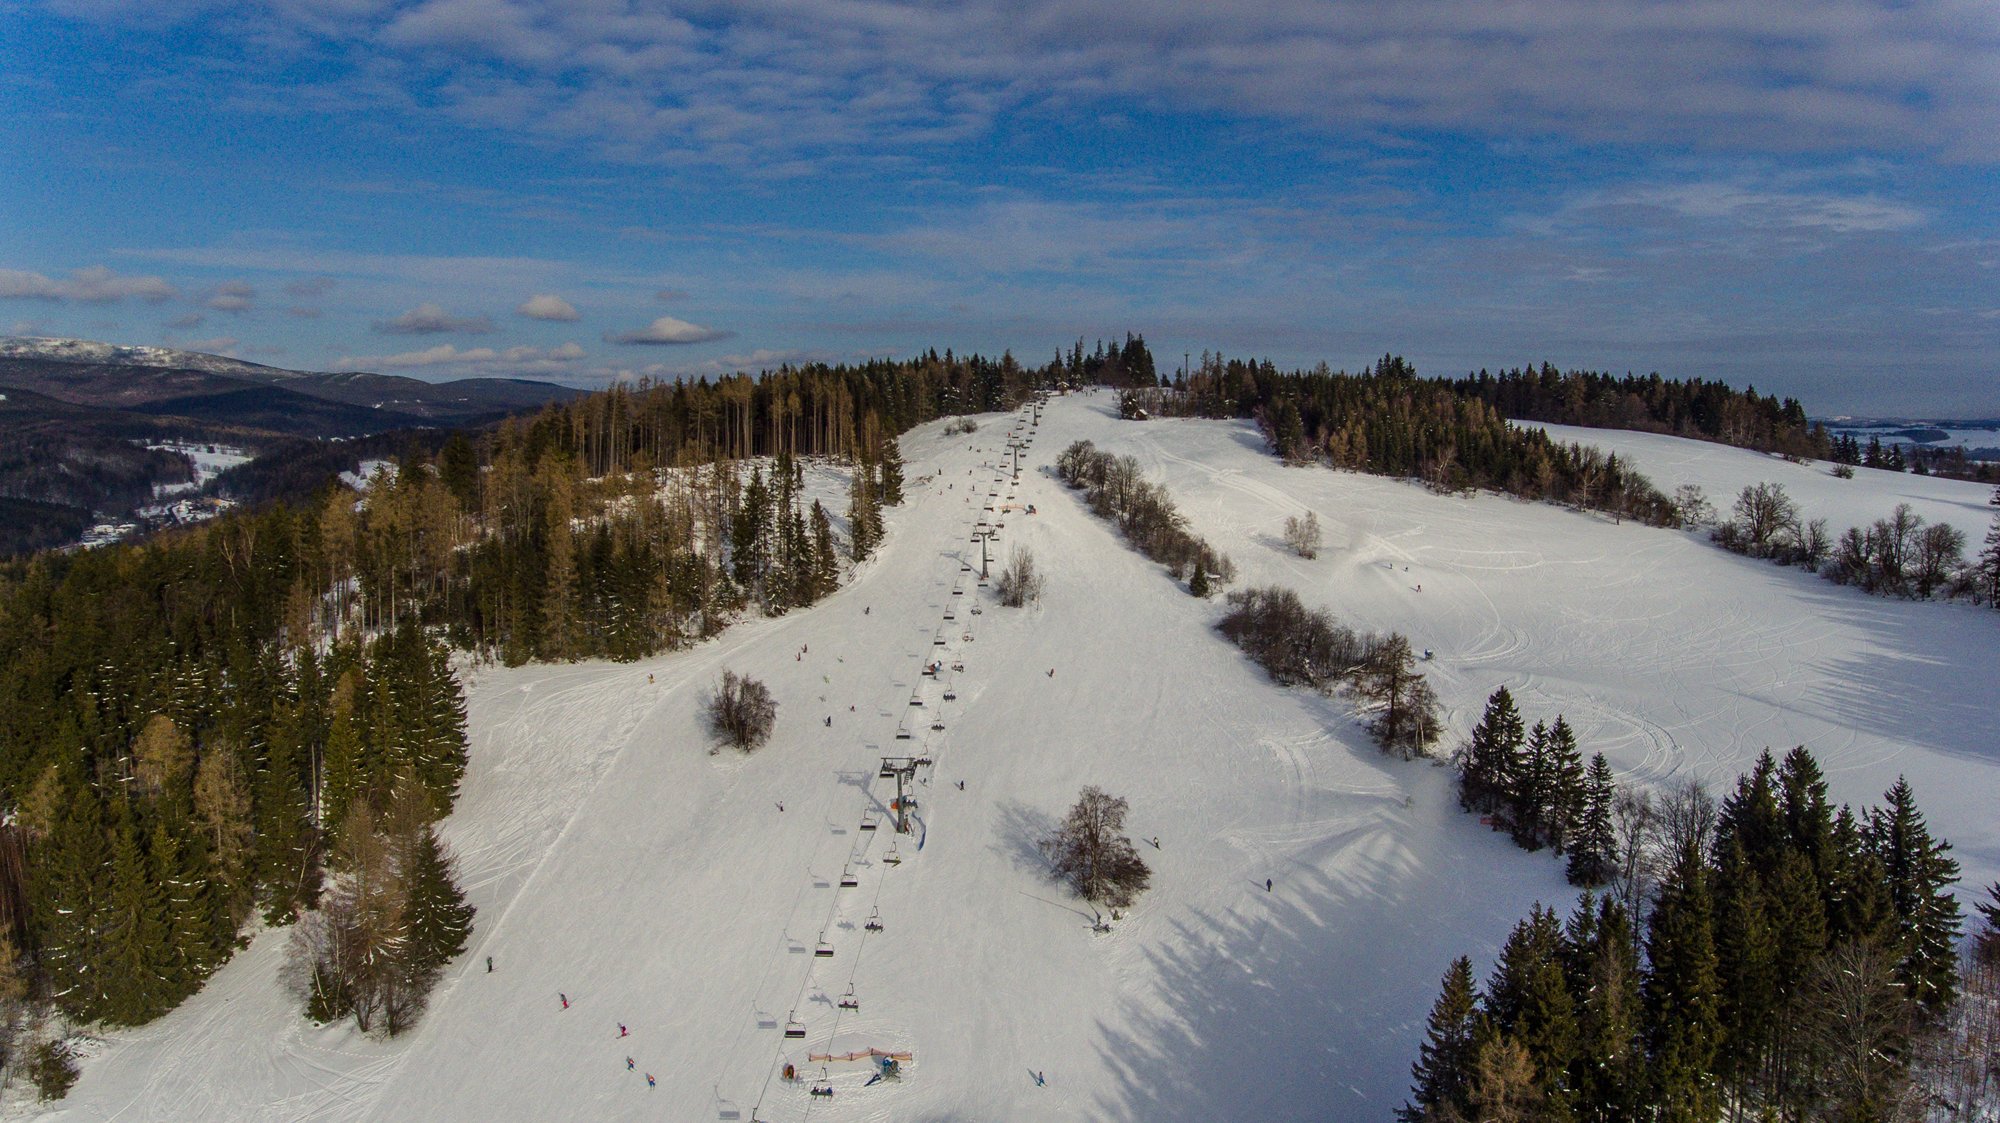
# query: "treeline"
{"type": "Point", "coordinates": [259, 714]}
{"type": "Point", "coordinates": [1118, 490]}
{"type": "Point", "coordinates": [1900, 555]}
{"type": "Point", "coordinates": [1387, 422]}
{"type": "Point", "coordinates": [1300, 646]}
{"type": "Point", "coordinates": [1769, 957]}
{"type": "Point", "coordinates": [1709, 411]}
{"type": "Point", "coordinates": [179, 757]}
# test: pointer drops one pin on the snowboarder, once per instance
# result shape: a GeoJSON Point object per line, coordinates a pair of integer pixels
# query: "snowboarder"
{"type": "Point", "coordinates": [489, 965]}
{"type": "Point", "coordinates": [622, 1031]}
{"type": "Point", "coordinates": [565, 999]}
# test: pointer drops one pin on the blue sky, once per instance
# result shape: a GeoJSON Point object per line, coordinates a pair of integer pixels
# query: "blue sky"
{"type": "Point", "coordinates": [1802, 196]}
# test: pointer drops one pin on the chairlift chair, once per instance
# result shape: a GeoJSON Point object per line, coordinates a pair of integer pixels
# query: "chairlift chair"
{"type": "Point", "coordinates": [794, 1028]}
{"type": "Point", "coordinates": [874, 921]}
{"type": "Point", "coordinates": [848, 1001]}
{"type": "Point", "coordinates": [823, 950]}
{"type": "Point", "coordinates": [849, 881]}
{"type": "Point", "coordinates": [891, 859]}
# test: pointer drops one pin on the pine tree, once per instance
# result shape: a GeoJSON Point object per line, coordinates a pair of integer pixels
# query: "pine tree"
{"type": "Point", "coordinates": [892, 473]}
{"type": "Point", "coordinates": [1988, 566]}
{"type": "Point", "coordinates": [826, 560]}
{"type": "Point", "coordinates": [1503, 1082]}
{"type": "Point", "coordinates": [1683, 1024]}
{"type": "Point", "coordinates": [1593, 844]}
{"type": "Point", "coordinates": [1532, 794]}
{"type": "Point", "coordinates": [1986, 941]}
{"type": "Point", "coordinates": [1443, 1069]}
{"type": "Point", "coordinates": [1529, 1000]}
{"type": "Point", "coordinates": [863, 511]}
{"type": "Point", "coordinates": [1487, 775]}
{"type": "Point", "coordinates": [135, 975]}
{"type": "Point", "coordinates": [1565, 799]}
{"type": "Point", "coordinates": [749, 534]}
{"type": "Point", "coordinates": [70, 892]}
{"type": "Point", "coordinates": [1608, 1074]}
{"type": "Point", "coordinates": [1746, 944]}
{"type": "Point", "coordinates": [1919, 878]}
{"type": "Point", "coordinates": [344, 770]}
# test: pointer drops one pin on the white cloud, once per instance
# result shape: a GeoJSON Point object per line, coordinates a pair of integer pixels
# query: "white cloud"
{"type": "Point", "coordinates": [667, 331]}
{"type": "Point", "coordinates": [191, 320]}
{"type": "Point", "coordinates": [431, 319]}
{"type": "Point", "coordinates": [94, 285]}
{"type": "Point", "coordinates": [548, 307]}
{"type": "Point", "coordinates": [447, 355]}
{"type": "Point", "coordinates": [230, 296]}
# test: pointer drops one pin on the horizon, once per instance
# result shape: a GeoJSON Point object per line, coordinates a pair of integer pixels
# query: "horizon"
{"type": "Point", "coordinates": [1799, 200]}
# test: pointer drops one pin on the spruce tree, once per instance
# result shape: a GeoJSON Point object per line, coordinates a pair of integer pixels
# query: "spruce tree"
{"type": "Point", "coordinates": [1487, 774]}
{"type": "Point", "coordinates": [1593, 842]}
{"type": "Point", "coordinates": [1746, 944]}
{"type": "Point", "coordinates": [1566, 792]}
{"type": "Point", "coordinates": [1443, 1069]}
{"type": "Point", "coordinates": [1608, 1075]}
{"type": "Point", "coordinates": [1988, 565]}
{"type": "Point", "coordinates": [892, 473]}
{"type": "Point", "coordinates": [1532, 793]}
{"type": "Point", "coordinates": [70, 892]}
{"type": "Point", "coordinates": [136, 976]}
{"type": "Point", "coordinates": [1919, 877]}
{"type": "Point", "coordinates": [1529, 999]}
{"type": "Point", "coordinates": [1683, 1027]}
{"type": "Point", "coordinates": [826, 560]}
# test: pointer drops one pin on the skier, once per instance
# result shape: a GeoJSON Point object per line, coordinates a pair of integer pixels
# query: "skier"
{"type": "Point", "coordinates": [565, 999]}
{"type": "Point", "coordinates": [489, 965]}
{"type": "Point", "coordinates": [866, 609]}
{"type": "Point", "coordinates": [650, 1082]}
{"type": "Point", "coordinates": [961, 785]}
{"type": "Point", "coordinates": [829, 721]}
{"type": "Point", "coordinates": [622, 1031]}
{"type": "Point", "coordinates": [781, 805]}
{"type": "Point", "coordinates": [1052, 672]}
{"type": "Point", "coordinates": [1041, 1081]}
{"type": "Point", "coordinates": [630, 1064]}
{"type": "Point", "coordinates": [1267, 885]}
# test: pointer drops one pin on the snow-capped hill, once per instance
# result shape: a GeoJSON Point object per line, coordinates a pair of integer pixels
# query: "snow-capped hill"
{"type": "Point", "coordinates": [127, 355]}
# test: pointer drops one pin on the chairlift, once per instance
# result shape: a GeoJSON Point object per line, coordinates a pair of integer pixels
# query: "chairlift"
{"type": "Point", "coordinates": [794, 1028]}
{"type": "Point", "coordinates": [823, 950]}
{"type": "Point", "coordinates": [950, 696]}
{"type": "Point", "coordinates": [868, 817]}
{"type": "Point", "coordinates": [937, 727]}
{"type": "Point", "coordinates": [901, 735]}
{"type": "Point", "coordinates": [875, 919]}
{"type": "Point", "coordinates": [916, 701]}
{"type": "Point", "coordinates": [892, 858]}
{"type": "Point", "coordinates": [849, 881]}
{"type": "Point", "coordinates": [848, 1001]}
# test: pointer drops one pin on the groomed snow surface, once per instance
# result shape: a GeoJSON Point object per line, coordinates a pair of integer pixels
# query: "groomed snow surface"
{"type": "Point", "coordinates": [615, 861]}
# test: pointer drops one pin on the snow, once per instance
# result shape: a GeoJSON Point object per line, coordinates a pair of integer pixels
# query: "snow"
{"type": "Point", "coordinates": [614, 860]}
{"type": "Point", "coordinates": [209, 461]}
{"type": "Point", "coordinates": [364, 474]}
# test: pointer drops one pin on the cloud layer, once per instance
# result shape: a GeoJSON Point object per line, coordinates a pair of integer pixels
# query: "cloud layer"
{"type": "Point", "coordinates": [545, 307]}
{"type": "Point", "coordinates": [667, 331]}
{"type": "Point", "coordinates": [431, 319]}
{"type": "Point", "coordinates": [93, 285]}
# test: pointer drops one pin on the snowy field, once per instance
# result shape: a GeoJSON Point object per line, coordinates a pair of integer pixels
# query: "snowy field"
{"type": "Point", "coordinates": [613, 860]}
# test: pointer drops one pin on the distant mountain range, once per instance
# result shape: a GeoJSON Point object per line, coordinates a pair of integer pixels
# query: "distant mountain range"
{"type": "Point", "coordinates": [157, 382]}
{"type": "Point", "coordinates": [76, 415]}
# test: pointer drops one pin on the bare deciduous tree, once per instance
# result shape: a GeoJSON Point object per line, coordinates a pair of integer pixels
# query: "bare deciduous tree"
{"type": "Point", "coordinates": [741, 712]}
{"type": "Point", "coordinates": [1302, 535]}
{"type": "Point", "coordinates": [1091, 852]}
{"type": "Point", "coordinates": [1019, 583]}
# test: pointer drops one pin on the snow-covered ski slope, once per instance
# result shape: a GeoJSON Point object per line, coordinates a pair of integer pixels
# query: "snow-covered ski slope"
{"type": "Point", "coordinates": [613, 860]}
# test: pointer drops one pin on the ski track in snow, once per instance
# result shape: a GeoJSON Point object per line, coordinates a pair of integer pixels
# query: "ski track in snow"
{"type": "Point", "coordinates": [614, 860]}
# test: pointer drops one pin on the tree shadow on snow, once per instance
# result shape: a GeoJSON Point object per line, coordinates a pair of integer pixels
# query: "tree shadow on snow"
{"type": "Point", "coordinates": [1330, 976]}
